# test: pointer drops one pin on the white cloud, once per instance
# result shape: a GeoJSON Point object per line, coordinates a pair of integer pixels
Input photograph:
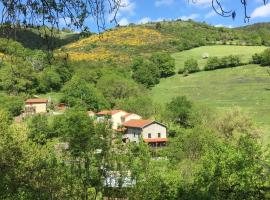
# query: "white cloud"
{"type": "Point", "coordinates": [127, 7]}
{"type": "Point", "coordinates": [210, 14]}
{"type": "Point", "coordinates": [144, 20]}
{"type": "Point", "coordinates": [262, 11]}
{"type": "Point", "coordinates": [163, 2]}
{"type": "Point", "coordinates": [123, 21]}
{"type": "Point", "coordinates": [222, 25]}
{"type": "Point", "coordinates": [201, 3]}
{"type": "Point", "coordinates": [192, 16]}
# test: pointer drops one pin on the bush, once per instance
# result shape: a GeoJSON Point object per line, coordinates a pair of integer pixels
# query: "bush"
{"type": "Point", "coordinates": [265, 61]}
{"type": "Point", "coordinates": [256, 58]}
{"type": "Point", "coordinates": [165, 63]}
{"type": "Point", "coordinates": [263, 58]}
{"type": "Point", "coordinates": [191, 66]}
{"type": "Point", "coordinates": [212, 63]}
{"type": "Point", "coordinates": [224, 62]}
{"type": "Point", "coordinates": [145, 72]}
{"type": "Point", "coordinates": [181, 71]}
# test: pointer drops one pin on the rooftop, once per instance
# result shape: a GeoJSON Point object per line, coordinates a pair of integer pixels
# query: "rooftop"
{"type": "Point", "coordinates": [137, 123]}
{"type": "Point", "coordinates": [109, 112]}
{"type": "Point", "coordinates": [150, 140]}
{"type": "Point", "coordinates": [36, 101]}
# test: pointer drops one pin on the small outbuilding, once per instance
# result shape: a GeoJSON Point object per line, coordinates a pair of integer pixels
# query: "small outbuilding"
{"type": "Point", "coordinates": [34, 106]}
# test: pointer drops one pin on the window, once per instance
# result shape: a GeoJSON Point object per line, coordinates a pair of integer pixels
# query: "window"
{"type": "Point", "coordinates": [159, 135]}
{"type": "Point", "coordinates": [149, 135]}
{"type": "Point", "coordinates": [134, 134]}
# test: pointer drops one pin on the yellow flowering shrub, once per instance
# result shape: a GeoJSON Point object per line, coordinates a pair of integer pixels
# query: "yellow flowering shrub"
{"type": "Point", "coordinates": [134, 36]}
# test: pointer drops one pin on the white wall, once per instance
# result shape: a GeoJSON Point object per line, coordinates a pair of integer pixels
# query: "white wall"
{"type": "Point", "coordinates": [116, 119]}
{"type": "Point", "coordinates": [132, 116]}
{"type": "Point", "coordinates": [154, 129]}
{"type": "Point", "coordinates": [40, 107]}
{"type": "Point", "coordinates": [130, 134]}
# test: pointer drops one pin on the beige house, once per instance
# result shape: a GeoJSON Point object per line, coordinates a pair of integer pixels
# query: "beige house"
{"type": "Point", "coordinates": [33, 106]}
{"type": "Point", "coordinates": [150, 131]}
{"type": "Point", "coordinates": [116, 117]}
{"type": "Point", "coordinates": [130, 116]}
{"type": "Point", "coordinates": [91, 114]}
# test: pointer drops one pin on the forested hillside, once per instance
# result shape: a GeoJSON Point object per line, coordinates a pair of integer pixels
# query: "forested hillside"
{"type": "Point", "coordinates": [207, 87]}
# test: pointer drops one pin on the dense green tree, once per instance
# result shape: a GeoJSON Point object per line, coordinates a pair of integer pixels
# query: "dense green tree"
{"type": "Point", "coordinates": [234, 171]}
{"type": "Point", "coordinates": [12, 104]}
{"type": "Point", "coordinates": [223, 62]}
{"type": "Point", "coordinates": [50, 80]}
{"type": "Point", "coordinates": [18, 78]}
{"type": "Point", "coordinates": [142, 105]}
{"type": "Point", "coordinates": [115, 87]}
{"type": "Point", "coordinates": [265, 58]}
{"type": "Point", "coordinates": [179, 110]}
{"type": "Point", "coordinates": [78, 92]}
{"type": "Point", "coordinates": [147, 74]}
{"type": "Point", "coordinates": [39, 130]}
{"type": "Point", "coordinates": [234, 123]}
{"type": "Point", "coordinates": [191, 66]}
{"type": "Point", "coordinates": [256, 58]}
{"type": "Point", "coordinates": [89, 147]}
{"type": "Point", "coordinates": [165, 63]}
{"type": "Point", "coordinates": [212, 63]}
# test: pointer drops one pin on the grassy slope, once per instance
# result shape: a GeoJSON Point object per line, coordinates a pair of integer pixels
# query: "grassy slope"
{"type": "Point", "coordinates": [247, 87]}
{"type": "Point", "coordinates": [245, 53]}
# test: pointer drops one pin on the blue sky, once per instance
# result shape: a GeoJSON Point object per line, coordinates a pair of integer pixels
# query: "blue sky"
{"type": "Point", "coordinates": [142, 11]}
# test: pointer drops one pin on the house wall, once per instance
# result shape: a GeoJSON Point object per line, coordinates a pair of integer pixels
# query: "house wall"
{"type": "Point", "coordinates": [130, 134]}
{"type": "Point", "coordinates": [40, 107]}
{"type": "Point", "coordinates": [116, 119]}
{"type": "Point", "coordinates": [154, 129]}
{"type": "Point", "coordinates": [132, 116]}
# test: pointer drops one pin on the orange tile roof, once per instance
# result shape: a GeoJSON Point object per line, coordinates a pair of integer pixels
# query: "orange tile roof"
{"type": "Point", "coordinates": [150, 140]}
{"type": "Point", "coordinates": [137, 123]}
{"type": "Point", "coordinates": [36, 101]}
{"type": "Point", "coordinates": [109, 112]}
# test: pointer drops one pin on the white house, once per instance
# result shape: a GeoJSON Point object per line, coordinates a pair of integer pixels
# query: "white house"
{"type": "Point", "coordinates": [150, 131]}
{"type": "Point", "coordinates": [130, 116]}
{"type": "Point", "coordinates": [33, 106]}
{"type": "Point", "coordinates": [116, 117]}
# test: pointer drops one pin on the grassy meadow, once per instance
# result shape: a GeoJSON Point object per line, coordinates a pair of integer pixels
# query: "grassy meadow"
{"type": "Point", "coordinates": [244, 52]}
{"type": "Point", "coordinates": [247, 87]}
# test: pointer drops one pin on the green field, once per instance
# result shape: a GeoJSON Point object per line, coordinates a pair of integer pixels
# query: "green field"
{"type": "Point", "coordinates": [247, 87]}
{"type": "Point", "coordinates": [245, 53]}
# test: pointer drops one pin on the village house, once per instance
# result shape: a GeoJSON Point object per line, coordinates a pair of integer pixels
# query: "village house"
{"type": "Point", "coordinates": [152, 132]}
{"type": "Point", "coordinates": [116, 117]}
{"type": "Point", "coordinates": [34, 106]}
{"type": "Point", "coordinates": [91, 114]}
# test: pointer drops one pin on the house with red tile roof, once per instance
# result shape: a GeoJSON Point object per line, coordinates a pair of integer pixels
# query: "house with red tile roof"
{"type": "Point", "coordinates": [33, 106]}
{"type": "Point", "coordinates": [152, 132]}
{"type": "Point", "coordinates": [116, 117]}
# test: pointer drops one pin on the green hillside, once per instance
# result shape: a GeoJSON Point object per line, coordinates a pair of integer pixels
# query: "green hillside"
{"type": "Point", "coordinates": [244, 52]}
{"type": "Point", "coordinates": [39, 38]}
{"type": "Point", "coordinates": [121, 44]}
{"type": "Point", "coordinates": [246, 87]}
